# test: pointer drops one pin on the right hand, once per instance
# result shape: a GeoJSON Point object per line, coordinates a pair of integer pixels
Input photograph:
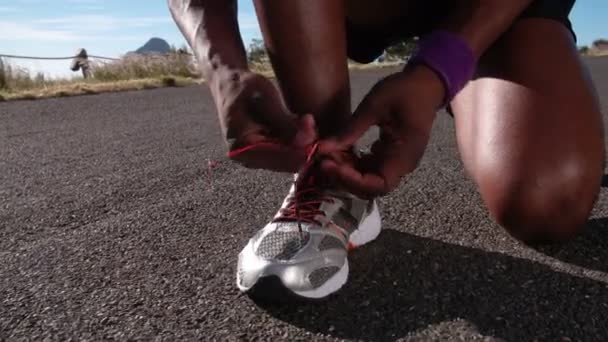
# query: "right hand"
{"type": "Point", "coordinates": [403, 106]}
{"type": "Point", "coordinates": [261, 133]}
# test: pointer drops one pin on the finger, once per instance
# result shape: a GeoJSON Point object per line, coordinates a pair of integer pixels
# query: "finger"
{"type": "Point", "coordinates": [365, 185]}
{"type": "Point", "coordinates": [376, 173]}
{"type": "Point", "coordinates": [368, 113]}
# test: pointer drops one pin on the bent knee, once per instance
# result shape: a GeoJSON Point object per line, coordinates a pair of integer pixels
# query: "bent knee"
{"type": "Point", "coordinates": [541, 208]}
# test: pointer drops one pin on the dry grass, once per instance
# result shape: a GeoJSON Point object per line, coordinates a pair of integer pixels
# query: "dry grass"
{"type": "Point", "coordinates": [15, 78]}
{"type": "Point", "coordinates": [151, 66]}
{"type": "Point", "coordinates": [130, 73]}
{"type": "Point", "coordinates": [87, 88]}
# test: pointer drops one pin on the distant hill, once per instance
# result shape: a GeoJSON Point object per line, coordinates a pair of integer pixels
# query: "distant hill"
{"type": "Point", "coordinates": [154, 45]}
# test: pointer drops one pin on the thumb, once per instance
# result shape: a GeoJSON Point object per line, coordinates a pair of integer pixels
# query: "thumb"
{"type": "Point", "coordinates": [366, 115]}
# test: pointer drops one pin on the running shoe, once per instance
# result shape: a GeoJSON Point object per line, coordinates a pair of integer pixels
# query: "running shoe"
{"type": "Point", "coordinates": [303, 250]}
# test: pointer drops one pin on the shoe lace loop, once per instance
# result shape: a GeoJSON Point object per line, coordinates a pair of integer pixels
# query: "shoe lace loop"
{"type": "Point", "coordinates": [304, 204]}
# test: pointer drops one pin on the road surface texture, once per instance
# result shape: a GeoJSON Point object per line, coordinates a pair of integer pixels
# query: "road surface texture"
{"type": "Point", "coordinates": [120, 219]}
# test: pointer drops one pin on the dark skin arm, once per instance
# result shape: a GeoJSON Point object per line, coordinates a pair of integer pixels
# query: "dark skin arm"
{"type": "Point", "coordinates": [211, 29]}
{"type": "Point", "coordinates": [250, 109]}
{"type": "Point", "coordinates": [404, 106]}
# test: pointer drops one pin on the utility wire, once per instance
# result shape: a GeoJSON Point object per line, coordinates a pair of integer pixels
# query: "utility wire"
{"type": "Point", "coordinates": [55, 58]}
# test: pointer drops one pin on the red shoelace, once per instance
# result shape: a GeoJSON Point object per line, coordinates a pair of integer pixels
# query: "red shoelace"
{"type": "Point", "coordinates": [303, 205]}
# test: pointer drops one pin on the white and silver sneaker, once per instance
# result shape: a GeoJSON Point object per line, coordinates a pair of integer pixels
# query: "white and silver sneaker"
{"type": "Point", "coordinates": [304, 248]}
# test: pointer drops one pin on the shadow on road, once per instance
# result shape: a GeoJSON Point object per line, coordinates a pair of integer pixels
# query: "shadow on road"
{"type": "Point", "coordinates": [403, 283]}
{"type": "Point", "coordinates": [605, 181]}
{"type": "Point", "coordinates": [589, 249]}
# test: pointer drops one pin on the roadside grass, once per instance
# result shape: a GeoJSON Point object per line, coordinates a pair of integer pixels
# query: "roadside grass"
{"type": "Point", "coordinates": [134, 72]}
{"type": "Point", "coordinates": [75, 88]}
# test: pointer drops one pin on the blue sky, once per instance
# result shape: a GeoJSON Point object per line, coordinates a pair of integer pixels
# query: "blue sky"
{"type": "Point", "coordinates": [113, 27]}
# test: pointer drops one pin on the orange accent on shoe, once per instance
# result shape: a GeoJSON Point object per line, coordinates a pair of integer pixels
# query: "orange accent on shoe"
{"type": "Point", "coordinates": [350, 246]}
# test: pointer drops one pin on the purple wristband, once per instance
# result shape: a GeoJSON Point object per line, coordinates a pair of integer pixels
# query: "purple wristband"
{"type": "Point", "coordinates": [450, 57]}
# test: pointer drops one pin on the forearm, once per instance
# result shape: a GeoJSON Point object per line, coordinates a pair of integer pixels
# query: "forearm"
{"type": "Point", "coordinates": [481, 22]}
{"type": "Point", "coordinates": [211, 29]}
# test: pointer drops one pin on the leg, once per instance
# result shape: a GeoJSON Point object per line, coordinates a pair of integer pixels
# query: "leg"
{"type": "Point", "coordinates": [308, 256]}
{"type": "Point", "coordinates": [306, 42]}
{"type": "Point", "coordinates": [530, 133]}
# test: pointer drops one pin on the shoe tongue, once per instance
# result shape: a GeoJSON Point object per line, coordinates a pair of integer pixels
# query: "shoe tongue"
{"type": "Point", "coordinates": [309, 185]}
{"type": "Point", "coordinates": [311, 178]}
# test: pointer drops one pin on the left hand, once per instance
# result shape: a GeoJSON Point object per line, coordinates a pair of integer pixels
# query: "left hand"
{"type": "Point", "coordinates": [404, 107]}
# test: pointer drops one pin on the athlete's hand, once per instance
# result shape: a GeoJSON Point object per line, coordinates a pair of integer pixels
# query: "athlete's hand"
{"type": "Point", "coordinates": [261, 133]}
{"type": "Point", "coordinates": [404, 106]}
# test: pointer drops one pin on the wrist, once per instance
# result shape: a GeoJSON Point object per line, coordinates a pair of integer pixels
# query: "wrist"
{"type": "Point", "coordinates": [428, 85]}
{"type": "Point", "coordinates": [450, 58]}
{"type": "Point", "coordinates": [420, 93]}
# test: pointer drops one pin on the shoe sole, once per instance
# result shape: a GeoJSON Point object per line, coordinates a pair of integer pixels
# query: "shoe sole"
{"type": "Point", "coordinates": [271, 288]}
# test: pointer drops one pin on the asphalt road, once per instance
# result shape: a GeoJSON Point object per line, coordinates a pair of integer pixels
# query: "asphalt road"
{"type": "Point", "coordinates": [113, 226]}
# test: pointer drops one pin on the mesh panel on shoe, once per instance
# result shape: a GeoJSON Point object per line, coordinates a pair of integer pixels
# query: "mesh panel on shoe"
{"type": "Point", "coordinates": [345, 220]}
{"type": "Point", "coordinates": [329, 242]}
{"type": "Point", "coordinates": [282, 245]}
{"type": "Point", "coordinates": [319, 276]}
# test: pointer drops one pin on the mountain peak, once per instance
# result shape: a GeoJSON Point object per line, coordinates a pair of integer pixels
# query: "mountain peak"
{"type": "Point", "coordinates": [154, 45]}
